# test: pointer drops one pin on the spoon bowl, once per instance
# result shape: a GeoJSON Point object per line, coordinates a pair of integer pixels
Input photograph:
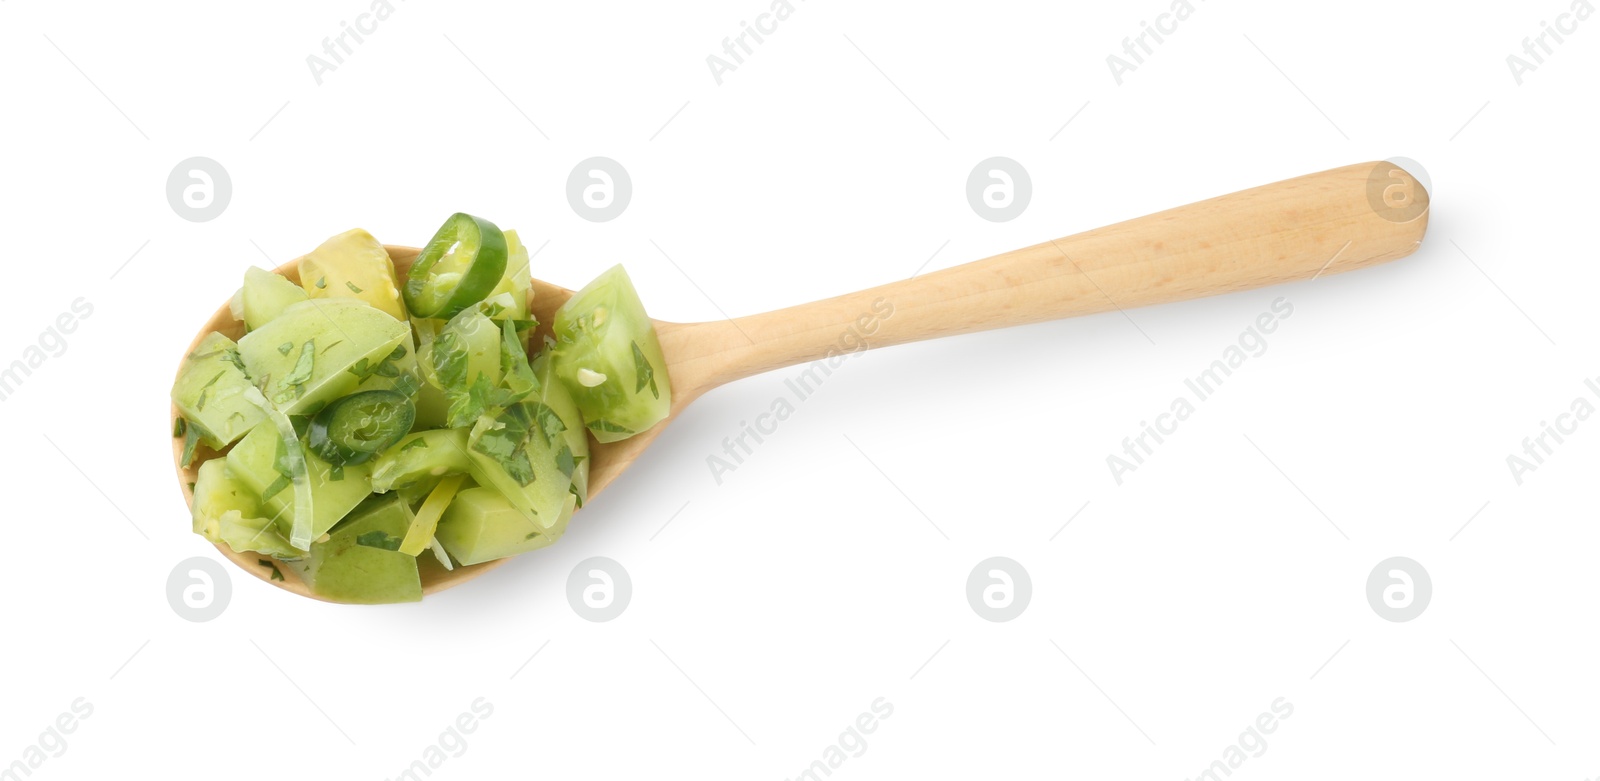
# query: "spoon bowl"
{"type": "Point", "coordinates": [1297, 229]}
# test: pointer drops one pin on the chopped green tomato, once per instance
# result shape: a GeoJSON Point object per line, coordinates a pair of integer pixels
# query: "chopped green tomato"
{"type": "Point", "coordinates": [360, 562]}
{"type": "Point", "coordinates": [517, 452]}
{"type": "Point", "coordinates": [328, 339]}
{"type": "Point", "coordinates": [512, 291]}
{"type": "Point", "coordinates": [353, 264]}
{"type": "Point", "coordinates": [461, 266]}
{"type": "Point", "coordinates": [464, 362]}
{"type": "Point", "coordinates": [214, 395]}
{"type": "Point", "coordinates": [256, 463]}
{"type": "Point", "coordinates": [433, 409]}
{"type": "Point", "coordinates": [573, 457]}
{"type": "Point", "coordinates": [609, 358]}
{"type": "Point", "coordinates": [427, 518]}
{"type": "Point", "coordinates": [227, 512]}
{"type": "Point", "coordinates": [420, 456]}
{"type": "Point", "coordinates": [264, 296]}
{"type": "Point", "coordinates": [481, 525]}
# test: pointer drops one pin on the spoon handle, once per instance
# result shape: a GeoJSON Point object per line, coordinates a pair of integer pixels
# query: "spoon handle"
{"type": "Point", "coordinates": [1302, 228]}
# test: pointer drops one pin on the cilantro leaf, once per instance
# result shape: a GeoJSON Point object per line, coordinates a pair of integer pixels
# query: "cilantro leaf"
{"type": "Point", "coordinates": [200, 403]}
{"type": "Point", "coordinates": [565, 462]}
{"type": "Point", "coordinates": [644, 371]}
{"type": "Point", "coordinates": [231, 355]}
{"type": "Point", "coordinates": [549, 422]}
{"type": "Point", "coordinates": [516, 375]}
{"type": "Point", "coordinates": [191, 440]}
{"type": "Point", "coordinates": [507, 443]}
{"type": "Point", "coordinates": [377, 538]}
{"type": "Point", "coordinates": [291, 385]}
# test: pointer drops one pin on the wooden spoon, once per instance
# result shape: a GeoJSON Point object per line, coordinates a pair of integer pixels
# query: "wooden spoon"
{"type": "Point", "coordinates": [1324, 223]}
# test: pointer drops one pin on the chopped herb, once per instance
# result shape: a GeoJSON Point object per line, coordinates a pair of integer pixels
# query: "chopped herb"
{"type": "Point", "coordinates": [178, 426]}
{"type": "Point", "coordinates": [644, 371]}
{"type": "Point", "coordinates": [275, 487]}
{"type": "Point", "coordinates": [231, 355]}
{"type": "Point", "coordinates": [573, 489]}
{"type": "Point", "coordinates": [531, 535]}
{"type": "Point", "coordinates": [407, 383]}
{"type": "Point", "coordinates": [200, 403]}
{"type": "Point", "coordinates": [191, 440]}
{"type": "Point", "coordinates": [388, 367]}
{"type": "Point", "coordinates": [418, 442]}
{"type": "Point", "coordinates": [549, 422]}
{"type": "Point", "coordinates": [283, 349]}
{"type": "Point", "coordinates": [335, 343]}
{"type": "Point", "coordinates": [276, 575]}
{"type": "Point", "coordinates": [291, 385]}
{"type": "Point", "coordinates": [606, 425]}
{"type": "Point", "coordinates": [565, 461]}
{"type": "Point", "coordinates": [517, 376]}
{"type": "Point", "coordinates": [353, 288]}
{"type": "Point", "coordinates": [377, 538]}
{"type": "Point", "coordinates": [507, 443]}
{"type": "Point", "coordinates": [285, 466]}
{"type": "Point", "coordinates": [322, 283]}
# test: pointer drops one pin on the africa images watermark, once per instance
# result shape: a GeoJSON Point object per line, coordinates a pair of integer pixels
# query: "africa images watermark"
{"type": "Point", "coordinates": [1535, 48]}
{"type": "Point", "coordinates": [1136, 48]}
{"type": "Point", "coordinates": [1252, 742]}
{"type": "Point", "coordinates": [850, 743]}
{"type": "Point", "coordinates": [52, 343]}
{"type": "Point", "coordinates": [51, 743]}
{"type": "Point", "coordinates": [342, 45]}
{"type": "Point", "coordinates": [1252, 343]}
{"type": "Point", "coordinates": [452, 742]}
{"type": "Point", "coordinates": [1538, 447]}
{"type": "Point", "coordinates": [736, 448]}
{"type": "Point", "coordinates": [736, 47]}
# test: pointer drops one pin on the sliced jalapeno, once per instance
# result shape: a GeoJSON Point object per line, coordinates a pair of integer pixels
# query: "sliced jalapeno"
{"type": "Point", "coordinates": [461, 266]}
{"type": "Point", "coordinates": [355, 429]}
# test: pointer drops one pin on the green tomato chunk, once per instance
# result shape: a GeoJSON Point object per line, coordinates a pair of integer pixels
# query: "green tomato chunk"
{"type": "Point", "coordinates": [482, 525]}
{"type": "Point", "coordinates": [361, 563]}
{"type": "Point", "coordinates": [421, 457]}
{"type": "Point", "coordinates": [229, 513]}
{"type": "Point", "coordinates": [464, 363]}
{"type": "Point", "coordinates": [255, 462]}
{"type": "Point", "coordinates": [521, 452]}
{"type": "Point", "coordinates": [318, 350]}
{"type": "Point", "coordinates": [264, 296]}
{"type": "Point", "coordinates": [214, 394]}
{"type": "Point", "coordinates": [608, 357]}
{"type": "Point", "coordinates": [573, 455]}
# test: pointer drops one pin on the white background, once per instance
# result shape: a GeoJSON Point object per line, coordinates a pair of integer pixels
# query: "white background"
{"type": "Point", "coordinates": [806, 585]}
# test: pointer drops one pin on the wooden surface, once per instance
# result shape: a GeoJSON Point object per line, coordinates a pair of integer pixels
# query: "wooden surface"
{"type": "Point", "coordinates": [1292, 230]}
